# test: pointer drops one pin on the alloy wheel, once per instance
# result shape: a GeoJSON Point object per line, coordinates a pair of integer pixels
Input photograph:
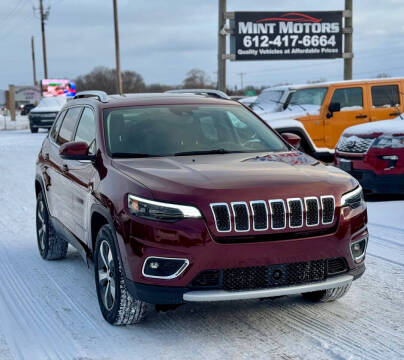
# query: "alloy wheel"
{"type": "Point", "coordinates": [106, 275]}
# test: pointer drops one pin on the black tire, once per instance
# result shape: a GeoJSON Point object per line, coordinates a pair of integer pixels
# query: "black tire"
{"type": "Point", "coordinates": [117, 305]}
{"type": "Point", "coordinates": [50, 245]}
{"type": "Point", "coordinates": [327, 295]}
{"type": "Point", "coordinates": [33, 130]}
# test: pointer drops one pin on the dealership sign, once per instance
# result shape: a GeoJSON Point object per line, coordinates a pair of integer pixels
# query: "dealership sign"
{"type": "Point", "coordinates": [286, 35]}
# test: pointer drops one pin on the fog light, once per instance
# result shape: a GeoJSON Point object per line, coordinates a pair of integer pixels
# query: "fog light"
{"type": "Point", "coordinates": [164, 268]}
{"type": "Point", "coordinates": [358, 249]}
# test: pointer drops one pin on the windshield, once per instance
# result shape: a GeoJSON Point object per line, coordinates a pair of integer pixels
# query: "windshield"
{"type": "Point", "coordinates": [52, 102]}
{"type": "Point", "coordinates": [186, 130]}
{"type": "Point", "coordinates": [309, 96]}
{"type": "Point", "coordinates": [270, 96]}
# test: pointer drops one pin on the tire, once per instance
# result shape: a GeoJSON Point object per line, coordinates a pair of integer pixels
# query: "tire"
{"type": "Point", "coordinates": [117, 305]}
{"type": "Point", "coordinates": [327, 295]}
{"type": "Point", "coordinates": [33, 130]}
{"type": "Point", "coordinates": [50, 245]}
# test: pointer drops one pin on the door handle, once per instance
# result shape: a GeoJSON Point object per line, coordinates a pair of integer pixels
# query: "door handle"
{"type": "Point", "coordinates": [361, 116]}
{"type": "Point", "coordinates": [395, 114]}
{"type": "Point", "coordinates": [65, 168]}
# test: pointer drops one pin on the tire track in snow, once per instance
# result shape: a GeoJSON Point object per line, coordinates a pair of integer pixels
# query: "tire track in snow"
{"type": "Point", "coordinates": [23, 316]}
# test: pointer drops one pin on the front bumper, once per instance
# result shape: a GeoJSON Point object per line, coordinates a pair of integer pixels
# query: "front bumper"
{"type": "Point", "coordinates": [375, 174]}
{"type": "Point", "coordinates": [177, 295]}
{"type": "Point", "coordinates": [39, 121]}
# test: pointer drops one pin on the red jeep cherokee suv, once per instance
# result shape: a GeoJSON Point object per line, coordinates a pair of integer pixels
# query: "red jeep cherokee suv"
{"type": "Point", "coordinates": [188, 198]}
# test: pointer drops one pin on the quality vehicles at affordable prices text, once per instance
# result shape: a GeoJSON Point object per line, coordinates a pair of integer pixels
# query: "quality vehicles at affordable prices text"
{"type": "Point", "coordinates": [190, 198]}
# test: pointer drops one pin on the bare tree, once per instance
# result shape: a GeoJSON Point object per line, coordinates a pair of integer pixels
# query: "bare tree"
{"type": "Point", "coordinates": [103, 78]}
{"type": "Point", "coordinates": [197, 79]}
{"type": "Point", "coordinates": [382, 75]}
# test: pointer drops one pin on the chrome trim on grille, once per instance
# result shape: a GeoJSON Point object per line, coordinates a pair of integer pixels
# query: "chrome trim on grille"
{"type": "Point", "coordinates": [290, 212]}
{"type": "Point", "coordinates": [284, 211]}
{"type": "Point", "coordinates": [234, 214]}
{"type": "Point", "coordinates": [318, 210]}
{"type": "Point", "coordinates": [253, 215]}
{"type": "Point", "coordinates": [333, 212]}
{"type": "Point", "coordinates": [269, 212]}
{"type": "Point", "coordinates": [214, 215]}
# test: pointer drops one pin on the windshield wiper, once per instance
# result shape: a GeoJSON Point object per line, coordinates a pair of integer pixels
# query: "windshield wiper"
{"type": "Point", "coordinates": [299, 105]}
{"type": "Point", "coordinates": [206, 152]}
{"type": "Point", "coordinates": [131, 155]}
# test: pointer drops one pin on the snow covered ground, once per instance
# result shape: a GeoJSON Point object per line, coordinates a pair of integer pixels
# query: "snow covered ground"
{"type": "Point", "coordinates": [49, 310]}
{"type": "Point", "coordinates": [20, 123]}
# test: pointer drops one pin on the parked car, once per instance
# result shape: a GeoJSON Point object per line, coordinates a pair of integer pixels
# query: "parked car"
{"type": "Point", "coordinates": [374, 154]}
{"type": "Point", "coordinates": [44, 114]}
{"type": "Point", "coordinates": [247, 101]}
{"type": "Point", "coordinates": [26, 109]}
{"type": "Point", "coordinates": [319, 113]}
{"type": "Point", "coordinates": [273, 99]}
{"type": "Point", "coordinates": [185, 198]}
{"type": "Point", "coordinates": [211, 92]}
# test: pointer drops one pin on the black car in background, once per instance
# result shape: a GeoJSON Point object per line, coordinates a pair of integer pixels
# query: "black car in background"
{"type": "Point", "coordinates": [26, 109]}
{"type": "Point", "coordinates": [44, 114]}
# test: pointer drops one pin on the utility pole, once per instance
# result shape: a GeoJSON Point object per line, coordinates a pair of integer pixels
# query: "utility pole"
{"type": "Point", "coordinates": [348, 30]}
{"type": "Point", "coordinates": [241, 79]}
{"type": "Point", "coordinates": [117, 56]}
{"type": "Point", "coordinates": [221, 48]}
{"type": "Point", "coordinates": [33, 59]}
{"type": "Point", "coordinates": [43, 18]}
{"type": "Point", "coordinates": [11, 101]}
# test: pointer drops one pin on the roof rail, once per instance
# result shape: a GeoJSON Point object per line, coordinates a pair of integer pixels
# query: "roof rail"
{"type": "Point", "coordinates": [100, 95]}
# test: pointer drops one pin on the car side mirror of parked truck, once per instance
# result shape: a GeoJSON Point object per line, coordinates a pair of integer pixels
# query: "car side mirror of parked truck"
{"type": "Point", "coordinates": [75, 150]}
{"type": "Point", "coordinates": [332, 108]}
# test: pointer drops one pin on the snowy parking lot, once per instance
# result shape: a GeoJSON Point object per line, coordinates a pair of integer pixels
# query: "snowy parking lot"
{"type": "Point", "coordinates": [49, 310]}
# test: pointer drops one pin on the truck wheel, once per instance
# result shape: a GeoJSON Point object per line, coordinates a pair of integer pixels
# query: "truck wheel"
{"type": "Point", "coordinates": [117, 306]}
{"type": "Point", "coordinates": [50, 245]}
{"type": "Point", "coordinates": [327, 295]}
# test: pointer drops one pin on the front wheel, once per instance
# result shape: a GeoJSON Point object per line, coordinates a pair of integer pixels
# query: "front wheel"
{"type": "Point", "coordinates": [116, 303]}
{"type": "Point", "coordinates": [50, 245]}
{"type": "Point", "coordinates": [327, 295]}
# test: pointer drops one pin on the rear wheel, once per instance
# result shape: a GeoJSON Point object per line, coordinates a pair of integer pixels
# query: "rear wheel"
{"type": "Point", "coordinates": [327, 295]}
{"type": "Point", "coordinates": [117, 305]}
{"type": "Point", "coordinates": [50, 245]}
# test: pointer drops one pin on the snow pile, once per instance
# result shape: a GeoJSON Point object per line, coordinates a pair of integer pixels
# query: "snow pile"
{"type": "Point", "coordinates": [387, 127]}
{"type": "Point", "coordinates": [21, 122]}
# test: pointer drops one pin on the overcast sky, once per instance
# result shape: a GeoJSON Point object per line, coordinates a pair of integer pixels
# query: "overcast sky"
{"type": "Point", "coordinates": [164, 39]}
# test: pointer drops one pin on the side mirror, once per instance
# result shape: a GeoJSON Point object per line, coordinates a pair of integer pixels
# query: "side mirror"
{"type": "Point", "coordinates": [292, 139]}
{"type": "Point", "coordinates": [75, 150]}
{"type": "Point", "coordinates": [332, 108]}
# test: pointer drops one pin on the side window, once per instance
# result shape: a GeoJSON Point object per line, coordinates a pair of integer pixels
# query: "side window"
{"type": "Point", "coordinates": [349, 98]}
{"type": "Point", "coordinates": [86, 129]}
{"type": "Point", "coordinates": [385, 96]}
{"type": "Point", "coordinates": [68, 125]}
{"type": "Point", "coordinates": [56, 126]}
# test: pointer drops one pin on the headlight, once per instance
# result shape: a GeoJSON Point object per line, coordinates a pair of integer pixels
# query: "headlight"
{"type": "Point", "coordinates": [156, 210]}
{"type": "Point", "coordinates": [353, 199]}
{"type": "Point", "coordinates": [392, 142]}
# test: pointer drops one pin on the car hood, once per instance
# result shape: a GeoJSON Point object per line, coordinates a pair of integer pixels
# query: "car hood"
{"type": "Point", "coordinates": [386, 127]}
{"type": "Point", "coordinates": [235, 177]}
{"type": "Point", "coordinates": [42, 109]}
{"type": "Point", "coordinates": [292, 112]}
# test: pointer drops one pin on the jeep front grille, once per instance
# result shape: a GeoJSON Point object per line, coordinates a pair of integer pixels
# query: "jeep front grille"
{"type": "Point", "coordinates": [260, 215]}
{"type": "Point", "coordinates": [354, 144]}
